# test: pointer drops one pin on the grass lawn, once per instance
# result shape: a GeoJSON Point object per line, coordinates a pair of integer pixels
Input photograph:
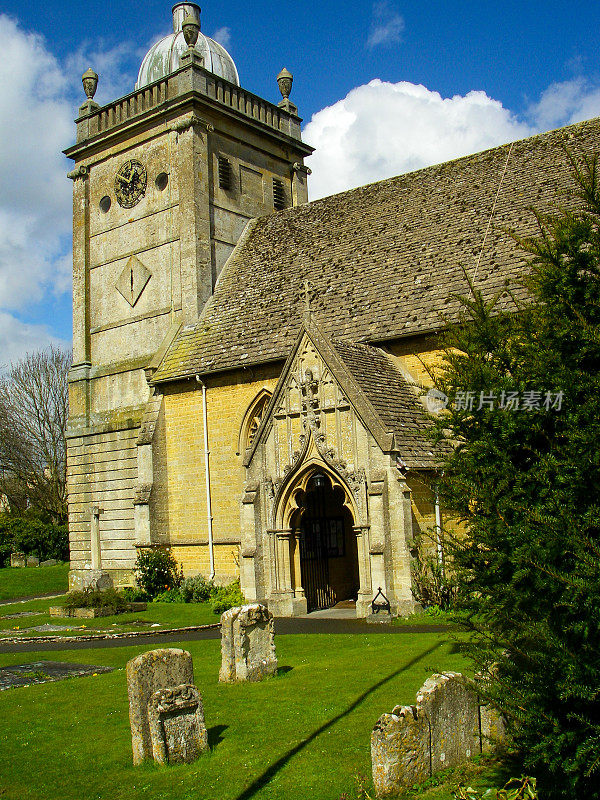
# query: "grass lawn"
{"type": "Point", "coordinates": [303, 734]}
{"type": "Point", "coordinates": [31, 581]}
{"type": "Point", "coordinates": [165, 615]}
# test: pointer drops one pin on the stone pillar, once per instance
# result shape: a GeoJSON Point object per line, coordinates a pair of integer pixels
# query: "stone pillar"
{"type": "Point", "coordinates": [300, 175]}
{"type": "Point", "coordinates": [142, 494]}
{"type": "Point", "coordinates": [95, 546]}
{"type": "Point", "coordinates": [401, 536]}
{"type": "Point", "coordinates": [297, 567]}
{"type": "Point", "coordinates": [283, 601]}
{"type": "Point", "coordinates": [365, 592]}
{"type": "Point", "coordinates": [378, 533]}
{"type": "Point", "coordinates": [250, 530]}
{"type": "Point", "coordinates": [197, 277]}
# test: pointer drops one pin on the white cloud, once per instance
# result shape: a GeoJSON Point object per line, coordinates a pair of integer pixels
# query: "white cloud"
{"type": "Point", "coordinates": [35, 205]}
{"type": "Point", "coordinates": [223, 37]}
{"type": "Point", "coordinates": [565, 103]}
{"type": "Point", "coordinates": [384, 129]}
{"type": "Point", "coordinates": [386, 26]}
{"type": "Point", "coordinates": [18, 338]}
{"type": "Point", "coordinates": [113, 65]}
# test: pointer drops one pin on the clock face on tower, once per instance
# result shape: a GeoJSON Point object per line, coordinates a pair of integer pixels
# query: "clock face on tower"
{"type": "Point", "coordinates": [130, 183]}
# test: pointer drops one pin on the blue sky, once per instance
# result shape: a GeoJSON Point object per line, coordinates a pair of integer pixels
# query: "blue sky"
{"type": "Point", "coordinates": [389, 87]}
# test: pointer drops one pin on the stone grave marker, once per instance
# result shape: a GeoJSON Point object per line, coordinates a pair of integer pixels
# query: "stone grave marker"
{"type": "Point", "coordinates": [451, 706]}
{"type": "Point", "coordinates": [33, 561]}
{"type": "Point", "coordinates": [447, 726]}
{"type": "Point", "coordinates": [247, 644]}
{"type": "Point", "coordinates": [18, 560]}
{"type": "Point", "coordinates": [177, 729]}
{"type": "Point", "coordinates": [148, 675]}
{"type": "Point", "coordinates": [44, 671]}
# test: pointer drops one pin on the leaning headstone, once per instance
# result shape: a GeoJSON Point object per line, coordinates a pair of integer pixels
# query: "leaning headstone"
{"type": "Point", "coordinates": [399, 750]}
{"type": "Point", "coordinates": [33, 561]}
{"type": "Point", "coordinates": [51, 562]}
{"type": "Point", "coordinates": [445, 728]}
{"type": "Point", "coordinates": [247, 644]}
{"type": "Point", "coordinates": [176, 721]}
{"type": "Point", "coordinates": [147, 674]}
{"type": "Point", "coordinates": [18, 560]}
{"type": "Point", "coordinates": [451, 706]}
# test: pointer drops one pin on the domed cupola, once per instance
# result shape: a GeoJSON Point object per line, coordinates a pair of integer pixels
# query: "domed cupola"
{"type": "Point", "coordinates": [164, 56]}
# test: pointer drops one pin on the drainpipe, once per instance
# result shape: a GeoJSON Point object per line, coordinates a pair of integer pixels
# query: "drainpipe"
{"type": "Point", "coordinates": [438, 532]}
{"type": "Point", "coordinates": [209, 518]}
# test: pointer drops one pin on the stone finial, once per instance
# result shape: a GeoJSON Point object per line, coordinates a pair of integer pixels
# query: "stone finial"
{"type": "Point", "coordinates": [90, 83]}
{"type": "Point", "coordinates": [285, 79]}
{"type": "Point", "coordinates": [191, 30]}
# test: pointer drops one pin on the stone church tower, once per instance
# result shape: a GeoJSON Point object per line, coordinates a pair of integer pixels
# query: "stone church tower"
{"type": "Point", "coordinates": [165, 181]}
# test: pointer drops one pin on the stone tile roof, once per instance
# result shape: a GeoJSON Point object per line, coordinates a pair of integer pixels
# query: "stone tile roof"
{"type": "Point", "coordinates": [382, 261]}
{"type": "Point", "coordinates": [395, 402]}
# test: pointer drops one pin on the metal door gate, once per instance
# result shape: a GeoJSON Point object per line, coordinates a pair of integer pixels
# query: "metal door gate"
{"type": "Point", "coordinates": [314, 565]}
{"type": "Point", "coordinates": [314, 549]}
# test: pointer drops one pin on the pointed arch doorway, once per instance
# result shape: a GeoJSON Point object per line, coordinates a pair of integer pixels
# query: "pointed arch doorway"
{"type": "Point", "coordinates": [327, 544]}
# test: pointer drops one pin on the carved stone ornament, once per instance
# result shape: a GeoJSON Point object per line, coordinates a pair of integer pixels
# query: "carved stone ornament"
{"type": "Point", "coordinates": [82, 171]}
{"type": "Point", "coordinates": [177, 728]}
{"type": "Point", "coordinates": [191, 121]}
{"type": "Point", "coordinates": [285, 79]}
{"type": "Point", "coordinates": [191, 30]}
{"type": "Point", "coordinates": [90, 83]}
{"type": "Point", "coordinates": [311, 422]}
{"type": "Point", "coordinates": [133, 280]}
{"type": "Point", "coordinates": [130, 183]}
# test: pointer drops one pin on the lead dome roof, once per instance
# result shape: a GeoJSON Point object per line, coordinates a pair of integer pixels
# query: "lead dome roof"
{"type": "Point", "coordinates": [164, 56]}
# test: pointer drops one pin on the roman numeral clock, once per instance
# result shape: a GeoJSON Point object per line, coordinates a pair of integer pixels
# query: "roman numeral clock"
{"type": "Point", "coordinates": [130, 183]}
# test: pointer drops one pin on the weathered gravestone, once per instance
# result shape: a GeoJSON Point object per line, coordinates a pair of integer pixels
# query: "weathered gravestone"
{"type": "Point", "coordinates": [451, 706]}
{"type": "Point", "coordinates": [165, 708]}
{"type": "Point", "coordinates": [247, 644]}
{"type": "Point", "coordinates": [400, 750]}
{"type": "Point", "coordinates": [33, 561]}
{"type": "Point", "coordinates": [177, 730]}
{"type": "Point", "coordinates": [94, 579]}
{"type": "Point", "coordinates": [18, 560]}
{"type": "Point", "coordinates": [445, 728]}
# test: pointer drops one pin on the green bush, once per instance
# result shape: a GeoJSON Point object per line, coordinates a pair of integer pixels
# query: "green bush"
{"type": "Point", "coordinates": [200, 590]}
{"type": "Point", "coordinates": [93, 598]}
{"type": "Point", "coordinates": [169, 596]}
{"type": "Point", "coordinates": [133, 594]}
{"type": "Point", "coordinates": [34, 537]}
{"type": "Point", "coordinates": [157, 571]}
{"type": "Point", "coordinates": [524, 479]}
{"type": "Point", "coordinates": [225, 597]}
{"type": "Point", "coordinates": [196, 589]}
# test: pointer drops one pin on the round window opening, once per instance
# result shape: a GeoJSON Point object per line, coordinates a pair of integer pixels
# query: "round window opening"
{"type": "Point", "coordinates": [161, 181]}
{"type": "Point", "coordinates": [105, 204]}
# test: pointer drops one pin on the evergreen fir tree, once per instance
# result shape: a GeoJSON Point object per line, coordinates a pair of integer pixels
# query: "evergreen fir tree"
{"type": "Point", "coordinates": [526, 482]}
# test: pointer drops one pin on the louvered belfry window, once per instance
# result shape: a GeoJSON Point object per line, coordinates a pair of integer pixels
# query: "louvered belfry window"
{"type": "Point", "coordinates": [224, 173]}
{"type": "Point", "coordinates": [279, 201]}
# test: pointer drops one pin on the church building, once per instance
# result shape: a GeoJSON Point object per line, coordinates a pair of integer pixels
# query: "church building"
{"type": "Point", "coordinates": [248, 367]}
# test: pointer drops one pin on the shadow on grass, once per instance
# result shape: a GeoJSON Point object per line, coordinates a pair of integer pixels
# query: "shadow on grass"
{"type": "Point", "coordinates": [214, 735]}
{"type": "Point", "coordinates": [270, 773]}
{"type": "Point", "coordinates": [283, 671]}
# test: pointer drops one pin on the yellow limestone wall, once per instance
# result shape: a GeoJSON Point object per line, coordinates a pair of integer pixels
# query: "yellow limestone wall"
{"type": "Point", "coordinates": [179, 469]}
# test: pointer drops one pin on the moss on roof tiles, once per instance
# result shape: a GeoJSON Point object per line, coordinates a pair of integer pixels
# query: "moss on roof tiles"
{"type": "Point", "coordinates": [362, 250]}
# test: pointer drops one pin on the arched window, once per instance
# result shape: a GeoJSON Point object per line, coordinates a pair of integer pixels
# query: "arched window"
{"type": "Point", "coordinates": [252, 419]}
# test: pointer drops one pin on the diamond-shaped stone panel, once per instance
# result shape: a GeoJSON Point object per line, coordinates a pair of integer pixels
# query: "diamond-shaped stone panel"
{"type": "Point", "coordinates": [133, 280]}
